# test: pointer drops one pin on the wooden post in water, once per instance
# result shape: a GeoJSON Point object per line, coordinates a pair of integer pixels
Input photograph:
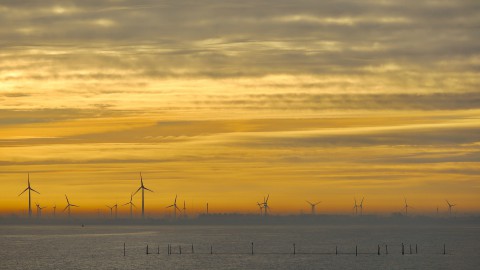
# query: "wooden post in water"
{"type": "Point", "coordinates": [211, 249]}
{"type": "Point", "coordinates": [386, 249]}
{"type": "Point", "coordinates": [356, 250]}
{"type": "Point", "coordinates": [444, 250]}
{"type": "Point", "coordinates": [123, 249]}
{"type": "Point", "coordinates": [193, 251]}
{"type": "Point", "coordinates": [252, 248]}
{"type": "Point", "coordinates": [416, 249]}
{"type": "Point", "coordinates": [378, 249]}
{"type": "Point", "coordinates": [180, 249]}
{"type": "Point", "coordinates": [147, 249]}
{"type": "Point", "coordinates": [403, 249]}
{"type": "Point", "coordinates": [158, 249]}
{"type": "Point", "coordinates": [294, 249]}
{"type": "Point", "coordinates": [410, 248]}
{"type": "Point", "coordinates": [336, 250]}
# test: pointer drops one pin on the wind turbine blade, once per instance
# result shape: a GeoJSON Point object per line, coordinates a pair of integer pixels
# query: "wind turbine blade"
{"type": "Point", "coordinates": [136, 191]}
{"type": "Point", "coordinates": [74, 205]}
{"type": "Point", "coordinates": [177, 208]}
{"type": "Point", "coordinates": [34, 190]}
{"type": "Point", "coordinates": [134, 205]}
{"type": "Point", "coordinates": [67, 199]}
{"type": "Point", "coordinates": [268, 196]}
{"type": "Point", "coordinates": [175, 202]}
{"type": "Point", "coordinates": [318, 202]}
{"type": "Point", "coordinates": [65, 208]}
{"type": "Point", "coordinates": [309, 202]}
{"type": "Point", "coordinates": [125, 203]}
{"type": "Point", "coordinates": [23, 191]}
{"type": "Point", "coordinates": [169, 206]}
{"type": "Point", "coordinates": [148, 189]}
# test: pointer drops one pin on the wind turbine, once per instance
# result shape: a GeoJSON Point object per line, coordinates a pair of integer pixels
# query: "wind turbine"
{"type": "Point", "coordinates": [260, 205]}
{"type": "Point", "coordinates": [39, 210]}
{"type": "Point", "coordinates": [54, 210]}
{"type": "Point", "coordinates": [29, 188]}
{"type": "Point", "coordinates": [174, 205]}
{"type": "Point", "coordinates": [265, 205]}
{"type": "Point", "coordinates": [111, 210]}
{"type": "Point", "coordinates": [355, 206]}
{"type": "Point", "coordinates": [184, 211]}
{"type": "Point", "coordinates": [131, 204]}
{"type": "Point", "coordinates": [68, 206]}
{"type": "Point", "coordinates": [450, 207]}
{"type": "Point", "coordinates": [406, 207]}
{"type": "Point", "coordinates": [361, 207]}
{"type": "Point", "coordinates": [313, 206]}
{"type": "Point", "coordinates": [143, 188]}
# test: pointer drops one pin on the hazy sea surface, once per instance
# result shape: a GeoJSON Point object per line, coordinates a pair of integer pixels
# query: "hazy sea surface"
{"type": "Point", "coordinates": [101, 247]}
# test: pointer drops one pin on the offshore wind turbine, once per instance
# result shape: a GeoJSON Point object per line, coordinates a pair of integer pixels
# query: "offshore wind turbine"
{"type": "Point", "coordinates": [265, 205]}
{"type": "Point", "coordinates": [355, 206]}
{"type": "Point", "coordinates": [54, 210]}
{"type": "Point", "coordinates": [449, 207]}
{"type": "Point", "coordinates": [174, 205]}
{"type": "Point", "coordinates": [111, 210]}
{"type": "Point", "coordinates": [39, 210]}
{"type": "Point", "coordinates": [29, 188]}
{"type": "Point", "coordinates": [361, 207]}
{"type": "Point", "coordinates": [313, 206]}
{"type": "Point", "coordinates": [68, 206]}
{"type": "Point", "coordinates": [131, 205]}
{"type": "Point", "coordinates": [143, 188]}
{"type": "Point", "coordinates": [184, 210]}
{"type": "Point", "coordinates": [406, 207]}
{"type": "Point", "coordinates": [260, 205]}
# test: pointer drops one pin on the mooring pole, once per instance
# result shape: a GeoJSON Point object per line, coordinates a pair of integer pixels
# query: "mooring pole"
{"type": "Point", "coordinates": [378, 249]}
{"type": "Point", "coordinates": [410, 248]}
{"type": "Point", "coordinates": [403, 249]}
{"type": "Point", "coordinates": [336, 250]}
{"type": "Point", "coordinates": [193, 251]}
{"type": "Point", "coordinates": [147, 249]}
{"type": "Point", "coordinates": [180, 249]}
{"type": "Point", "coordinates": [158, 249]}
{"type": "Point", "coordinates": [386, 249]}
{"type": "Point", "coordinates": [294, 249]}
{"type": "Point", "coordinates": [123, 249]}
{"type": "Point", "coordinates": [356, 250]}
{"type": "Point", "coordinates": [416, 249]}
{"type": "Point", "coordinates": [252, 248]}
{"type": "Point", "coordinates": [444, 250]}
{"type": "Point", "coordinates": [211, 249]}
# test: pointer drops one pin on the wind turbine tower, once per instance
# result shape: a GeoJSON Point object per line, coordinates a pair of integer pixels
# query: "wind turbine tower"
{"type": "Point", "coordinates": [131, 205]}
{"type": "Point", "coordinates": [68, 206]}
{"type": "Point", "coordinates": [184, 211]}
{"type": "Point", "coordinates": [174, 205]}
{"type": "Point", "coordinates": [39, 210]}
{"type": "Point", "coordinates": [265, 205]}
{"type": "Point", "coordinates": [313, 206]}
{"type": "Point", "coordinates": [406, 207]}
{"type": "Point", "coordinates": [260, 205]}
{"type": "Point", "coordinates": [143, 188]}
{"type": "Point", "coordinates": [29, 188]}
{"type": "Point", "coordinates": [361, 207]}
{"type": "Point", "coordinates": [355, 206]}
{"type": "Point", "coordinates": [450, 207]}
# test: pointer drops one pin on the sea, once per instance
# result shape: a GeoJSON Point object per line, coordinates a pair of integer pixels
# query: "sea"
{"type": "Point", "coordinates": [239, 247]}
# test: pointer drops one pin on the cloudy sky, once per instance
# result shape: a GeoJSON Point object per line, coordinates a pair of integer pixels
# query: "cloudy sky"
{"type": "Point", "coordinates": [227, 101]}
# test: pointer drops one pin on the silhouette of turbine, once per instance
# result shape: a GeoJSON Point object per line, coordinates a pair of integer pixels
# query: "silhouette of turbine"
{"type": "Point", "coordinates": [449, 207]}
{"type": "Point", "coordinates": [355, 206]}
{"type": "Point", "coordinates": [260, 205]}
{"type": "Point", "coordinates": [313, 206]}
{"type": "Point", "coordinates": [174, 205]}
{"type": "Point", "coordinates": [406, 207]}
{"type": "Point", "coordinates": [39, 210]}
{"type": "Point", "coordinates": [131, 205]}
{"type": "Point", "coordinates": [68, 206]}
{"type": "Point", "coordinates": [29, 188]}
{"type": "Point", "coordinates": [361, 207]}
{"type": "Point", "coordinates": [266, 208]}
{"type": "Point", "coordinates": [143, 188]}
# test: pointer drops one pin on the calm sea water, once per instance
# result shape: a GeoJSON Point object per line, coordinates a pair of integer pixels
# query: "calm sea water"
{"type": "Point", "coordinates": [101, 247]}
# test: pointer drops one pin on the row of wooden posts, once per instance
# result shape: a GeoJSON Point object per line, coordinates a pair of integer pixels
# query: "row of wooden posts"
{"type": "Point", "coordinates": [169, 249]}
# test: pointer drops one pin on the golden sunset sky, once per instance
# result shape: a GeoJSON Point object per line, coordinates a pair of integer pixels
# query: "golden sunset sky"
{"type": "Point", "coordinates": [228, 101]}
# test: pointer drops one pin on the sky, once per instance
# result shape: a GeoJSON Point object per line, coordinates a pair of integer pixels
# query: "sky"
{"type": "Point", "coordinates": [227, 101]}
